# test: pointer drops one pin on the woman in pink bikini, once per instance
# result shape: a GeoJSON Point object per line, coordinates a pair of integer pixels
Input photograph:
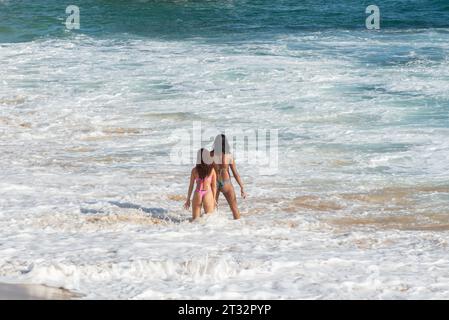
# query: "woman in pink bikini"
{"type": "Point", "coordinates": [206, 187]}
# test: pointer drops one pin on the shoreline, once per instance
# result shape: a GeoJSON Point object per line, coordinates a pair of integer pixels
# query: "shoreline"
{"type": "Point", "coordinates": [13, 291]}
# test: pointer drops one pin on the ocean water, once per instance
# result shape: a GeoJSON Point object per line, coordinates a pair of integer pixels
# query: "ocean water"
{"type": "Point", "coordinates": [90, 201]}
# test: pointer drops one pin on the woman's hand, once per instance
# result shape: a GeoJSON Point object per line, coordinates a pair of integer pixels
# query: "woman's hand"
{"type": "Point", "coordinates": [187, 204]}
{"type": "Point", "coordinates": [243, 193]}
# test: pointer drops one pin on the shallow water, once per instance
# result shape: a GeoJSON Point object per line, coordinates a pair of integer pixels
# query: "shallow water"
{"type": "Point", "coordinates": [91, 202]}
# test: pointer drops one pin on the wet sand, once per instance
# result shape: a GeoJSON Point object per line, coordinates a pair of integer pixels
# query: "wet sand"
{"type": "Point", "coordinates": [34, 292]}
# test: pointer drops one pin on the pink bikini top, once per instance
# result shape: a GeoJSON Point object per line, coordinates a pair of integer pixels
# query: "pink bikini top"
{"type": "Point", "coordinates": [199, 186]}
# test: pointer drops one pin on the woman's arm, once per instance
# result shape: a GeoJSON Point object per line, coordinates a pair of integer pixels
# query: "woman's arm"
{"type": "Point", "coordinates": [213, 186]}
{"type": "Point", "coordinates": [237, 178]}
{"type": "Point", "coordinates": [189, 193]}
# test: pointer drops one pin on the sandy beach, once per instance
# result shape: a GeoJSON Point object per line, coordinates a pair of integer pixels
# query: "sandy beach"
{"type": "Point", "coordinates": [33, 292]}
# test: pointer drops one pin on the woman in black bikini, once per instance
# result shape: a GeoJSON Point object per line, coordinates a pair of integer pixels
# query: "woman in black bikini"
{"type": "Point", "coordinates": [223, 160]}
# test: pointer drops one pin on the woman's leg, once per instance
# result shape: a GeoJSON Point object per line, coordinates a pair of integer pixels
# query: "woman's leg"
{"type": "Point", "coordinates": [228, 192]}
{"type": "Point", "coordinates": [217, 195]}
{"type": "Point", "coordinates": [209, 202]}
{"type": "Point", "coordinates": [196, 206]}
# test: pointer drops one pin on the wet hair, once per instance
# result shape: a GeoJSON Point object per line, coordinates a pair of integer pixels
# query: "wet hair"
{"type": "Point", "coordinates": [204, 168]}
{"type": "Point", "coordinates": [221, 145]}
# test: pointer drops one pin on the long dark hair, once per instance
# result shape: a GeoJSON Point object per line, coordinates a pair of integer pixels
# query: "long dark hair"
{"type": "Point", "coordinates": [204, 168]}
{"type": "Point", "coordinates": [221, 145]}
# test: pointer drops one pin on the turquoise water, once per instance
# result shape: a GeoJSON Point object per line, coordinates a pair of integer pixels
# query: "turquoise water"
{"type": "Point", "coordinates": [214, 20]}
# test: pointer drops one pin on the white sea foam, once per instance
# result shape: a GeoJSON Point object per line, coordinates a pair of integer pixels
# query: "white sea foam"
{"type": "Point", "coordinates": [90, 202]}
